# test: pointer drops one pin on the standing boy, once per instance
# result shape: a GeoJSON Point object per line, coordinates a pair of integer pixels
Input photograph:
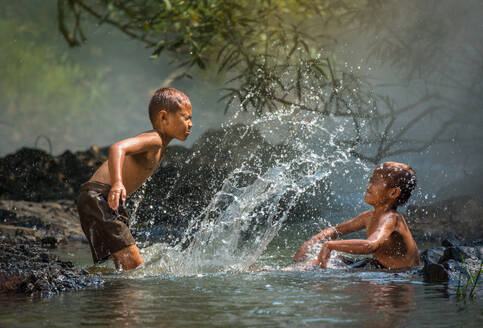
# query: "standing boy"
{"type": "Point", "coordinates": [388, 237]}
{"type": "Point", "coordinates": [131, 161]}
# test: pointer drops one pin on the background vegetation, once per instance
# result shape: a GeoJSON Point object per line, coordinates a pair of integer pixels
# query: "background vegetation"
{"type": "Point", "coordinates": [275, 55]}
{"type": "Point", "coordinates": [403, 78]}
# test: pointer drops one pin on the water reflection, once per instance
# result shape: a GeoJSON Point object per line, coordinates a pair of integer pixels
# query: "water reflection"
{"type": "Point", "coordinates": [125, 312]}
{"type": "Point", "coordinates": [117, 306]}
{"type": "Point", "coordinates": [369, 303]}
{"type": "Point", "coordinates": [390, 302]}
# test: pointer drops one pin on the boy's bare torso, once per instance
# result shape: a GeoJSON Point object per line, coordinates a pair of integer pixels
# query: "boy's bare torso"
{"type": "Point", "coordinates": [399, 250]}
{"type": "Point", "coordinates": [136, 169]}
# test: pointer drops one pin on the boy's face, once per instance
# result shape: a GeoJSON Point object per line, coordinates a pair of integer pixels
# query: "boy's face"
{"type": "Point", "coordinates": [178, 124]}
{"type": "Point", "coordinates": [378, 192]}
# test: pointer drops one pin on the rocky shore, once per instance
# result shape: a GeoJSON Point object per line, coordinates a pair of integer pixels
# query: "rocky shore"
{"type": "Point", "coordinates": [28, 233]}
{"type": "Point", "coordinates": [29, 269]}
{"type": "Point", "coordinates": [37, 209]}
{"type": "Point", "coordinates": [457, 264]}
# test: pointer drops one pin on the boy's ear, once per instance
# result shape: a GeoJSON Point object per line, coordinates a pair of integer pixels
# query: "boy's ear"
{"type": "Point", "coordinates": [162, 114]}
{"type": "Point", "coordinates": [395, 192]}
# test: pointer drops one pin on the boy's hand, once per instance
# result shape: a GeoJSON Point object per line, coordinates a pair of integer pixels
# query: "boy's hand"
{"type": "Point", "coordinates": [324, 256]}
{"type": "Point", "coordinates": [117, 192]}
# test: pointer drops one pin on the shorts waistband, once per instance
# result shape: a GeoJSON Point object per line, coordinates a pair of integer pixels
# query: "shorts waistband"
{"type": "Point", "coordinates": [97, 186]}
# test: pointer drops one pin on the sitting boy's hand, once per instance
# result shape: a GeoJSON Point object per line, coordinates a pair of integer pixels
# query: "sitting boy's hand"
{"type": "Point", "coordinates": [324, 256]}
{"type": "Point", "coordinates": [117, 192]}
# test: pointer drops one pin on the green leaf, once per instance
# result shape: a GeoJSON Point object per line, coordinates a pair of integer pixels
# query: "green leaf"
{"type": "Point", "coordinates": [168, 5]}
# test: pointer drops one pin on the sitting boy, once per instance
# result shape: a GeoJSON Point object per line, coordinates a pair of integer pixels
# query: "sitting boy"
{"type": "Point", "coordinates": [388, 237]}
{"type": "Point", "coordinates": [131, 161]}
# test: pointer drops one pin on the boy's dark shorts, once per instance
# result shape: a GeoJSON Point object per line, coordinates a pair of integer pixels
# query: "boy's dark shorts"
{"type": "Point", "coordinates": [106, 230]}
{"type": "Point", "coordinates": [361, 263]}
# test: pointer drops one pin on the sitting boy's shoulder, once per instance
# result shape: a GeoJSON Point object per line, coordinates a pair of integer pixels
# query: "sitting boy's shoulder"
{"type": "Point", "coordinates": [393, 217]}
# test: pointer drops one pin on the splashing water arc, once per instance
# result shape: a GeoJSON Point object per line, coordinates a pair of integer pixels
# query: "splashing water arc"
{"type": "Point", "coordinates": [253, 203]}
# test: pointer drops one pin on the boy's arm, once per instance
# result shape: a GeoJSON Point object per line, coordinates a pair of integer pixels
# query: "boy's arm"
{"type": "Point", "coordinates": [356, 224]}
{"type": "Point", "coordinates": [301, 253]}
{"type": "Point", "coordinates": [117, 152]}
{"type": "Point", "coordinates": [358, 246]}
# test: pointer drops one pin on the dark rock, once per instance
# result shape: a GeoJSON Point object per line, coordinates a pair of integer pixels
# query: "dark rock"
{"type": "Point", "coordinates": [476, 243]}
{"type": "Point", "coordinates": [448, 242]}
{"type": "Point", "coordinates": [7, 216]}
{"type": "Point", "coordinates": [34, 175]}
{"type": "Point", "coordinates": [451, 264]}
{"type": "Point", "coordinates": [435, 273]}
{"type": "Point", "coordinates": [49, 242]}
{"type": "Point", "coordinates": [432, 255]}
{"type": "Point", "coordinates": [460, 253]}
{"type": "Point", "coordinates": [31, 270]}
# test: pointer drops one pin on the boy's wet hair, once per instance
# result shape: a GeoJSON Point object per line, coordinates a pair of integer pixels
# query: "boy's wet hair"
{"type": "Point", "coordinates": [398, 175]}
{"type": "Point", "coordinates": [168, 99]}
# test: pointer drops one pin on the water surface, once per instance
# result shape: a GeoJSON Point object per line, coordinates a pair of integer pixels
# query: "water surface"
{"type": "Point", "coordinates": [270, 296]}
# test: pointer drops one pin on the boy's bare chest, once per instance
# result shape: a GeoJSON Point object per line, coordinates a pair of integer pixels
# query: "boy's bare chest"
{"type": "Point", "coordinates": [373, 227]}
{"type": "Point", "coordinates": [146, 161]}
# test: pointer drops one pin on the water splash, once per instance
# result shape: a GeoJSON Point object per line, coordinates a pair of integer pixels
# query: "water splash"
{"type": "Point", "coordinates": [254, 201]}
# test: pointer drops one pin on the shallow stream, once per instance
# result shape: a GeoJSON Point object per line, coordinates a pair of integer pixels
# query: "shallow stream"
{"type": "Point", "coordinates": [269, 296]}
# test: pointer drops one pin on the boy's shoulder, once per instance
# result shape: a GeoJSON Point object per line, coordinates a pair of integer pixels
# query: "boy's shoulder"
{"type": "Point", "coordinates": [394, 216]}
{"type": "Point", "coordinates": [145, 144]}
{"type": "Point", "coordinates": [152, 137]}
{"type": "Point", "coordinates": [152, 133]}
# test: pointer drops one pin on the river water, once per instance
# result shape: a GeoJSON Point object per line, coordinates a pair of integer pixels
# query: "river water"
{"type": "Point", "coordinates": [274, 295]}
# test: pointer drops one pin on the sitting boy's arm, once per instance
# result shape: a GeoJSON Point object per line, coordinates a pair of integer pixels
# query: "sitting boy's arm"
{"type": "Point", "coordinates": [301, 253]}
{"type": "Point", "coordinates": [358, 246]}
{"type": "Point", "coordinates": [356, 224]}
{"type": "Point", "coordinates": [117, 152]}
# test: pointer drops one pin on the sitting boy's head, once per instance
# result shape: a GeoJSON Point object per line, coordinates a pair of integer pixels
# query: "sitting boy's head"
{"type": "Point", "coordinates": [170, 111]}
{"type": "Point", "coordinates": [399, 177]}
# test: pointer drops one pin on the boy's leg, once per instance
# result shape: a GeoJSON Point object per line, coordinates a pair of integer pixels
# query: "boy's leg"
{"type": "Point", "coordinates": [127, 258]}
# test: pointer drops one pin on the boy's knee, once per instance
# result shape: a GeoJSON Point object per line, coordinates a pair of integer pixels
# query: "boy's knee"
{"type": "Point", "coordinates": [128, 258]}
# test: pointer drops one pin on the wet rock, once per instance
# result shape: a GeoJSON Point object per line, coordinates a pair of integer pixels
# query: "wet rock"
{"type": "Point", "coordinates": [30, 270]}
{"type": "Point", "coordinates": [461, 253]}
{"type": "Point", "coordinates": [432, 255]}
{"type": "Point", "coordinates": [459, 218]}
{"type": "Point", "coordinates": [451, 242]}
{"type": "Point", "coordinates": [452, 263]}
{"type": "Point", "coordinates": [49, 242]}
{"type": "Point", "coordinates": [435, 273]}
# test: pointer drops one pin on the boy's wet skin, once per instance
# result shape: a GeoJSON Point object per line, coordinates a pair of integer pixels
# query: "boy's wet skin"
{"type": "Point", "coordinates": [141, 154]}
{"type": "Point", "coordinates": [131, 161]}
{"type": "Point", "coordinates": [389, 239]}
